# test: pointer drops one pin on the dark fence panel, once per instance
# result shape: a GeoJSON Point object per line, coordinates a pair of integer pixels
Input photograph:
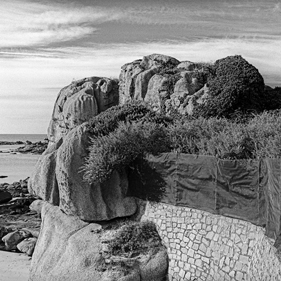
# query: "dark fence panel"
{"type": "Point", "coordinates": [245, 189]}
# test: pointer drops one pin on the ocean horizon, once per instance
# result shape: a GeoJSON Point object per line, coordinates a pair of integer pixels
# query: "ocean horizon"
{"type": "Point", "coordinates": [22, 137]}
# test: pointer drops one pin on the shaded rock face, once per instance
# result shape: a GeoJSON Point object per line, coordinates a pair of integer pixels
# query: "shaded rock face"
{"type": "Point", "coordinates": [80, 101]}
{"type": "Point", "coordinates": [164, 82]}
{"type": "Point", "coordinates": [70, 249]}
{"type": "Point", "coordinates": [58, 179]}
{"type": "Point", "coordinates": [12, 239]}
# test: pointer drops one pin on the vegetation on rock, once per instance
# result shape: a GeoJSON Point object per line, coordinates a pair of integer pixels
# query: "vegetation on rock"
{"type": "Point", "coordinates": [233, 84]}
{"type": "Point", "coordinates": [133, 131]}
{"type": "Point", "coordinates": [135, 238]}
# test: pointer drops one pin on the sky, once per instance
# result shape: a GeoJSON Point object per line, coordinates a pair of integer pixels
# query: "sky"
{"type": "Point", "coordinates": [44, 45]}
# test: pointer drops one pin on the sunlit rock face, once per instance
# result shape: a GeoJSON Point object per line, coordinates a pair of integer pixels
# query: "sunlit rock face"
{"type": "Point", "coordinates": [198, 89]}
{"type": "Point", "coordinates": [78, 102]}
{"type": "Point", "coordinates": [163, 82]}
{"type": "Point", "coordinates": [58, 179]}
{"type": "Point", "coordinates": [70, 249]}
{"type": "Point", "coordinates": [58, 175]}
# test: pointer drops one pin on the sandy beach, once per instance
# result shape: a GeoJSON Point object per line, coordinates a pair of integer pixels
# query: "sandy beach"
{"type": "Point", "coordinates": [14, 266]}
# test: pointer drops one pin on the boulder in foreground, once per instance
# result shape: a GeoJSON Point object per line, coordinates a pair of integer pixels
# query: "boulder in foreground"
{"type": "Point", "coordinates": [70, 249]}
{"type": "Point", "coordinates": [58, 179]}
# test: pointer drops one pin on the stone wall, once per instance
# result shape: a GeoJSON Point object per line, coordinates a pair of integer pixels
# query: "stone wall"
{"type": "Point", "coordinates": [203, 246]}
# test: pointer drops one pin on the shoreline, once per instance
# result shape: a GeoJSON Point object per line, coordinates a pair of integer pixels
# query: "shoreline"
{"type": "Point", "coordinates": [27, 148]}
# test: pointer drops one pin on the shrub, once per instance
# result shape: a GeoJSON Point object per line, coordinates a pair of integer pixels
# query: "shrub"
{"type": "Point", "coordinates": [107, 121]}
{"type": "Point", "coordinates": [133, 237]}
{"type": "Point", "coordinates": [272, 98]}
{"type": "Point", "coordinates": [119, 143]}
{"type": "Point", "coordinates": [122, 146]}
{"type": "Point", "coordinates": [233, 84]}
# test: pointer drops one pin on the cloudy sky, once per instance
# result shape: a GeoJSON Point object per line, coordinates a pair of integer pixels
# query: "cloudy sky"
{"type": "Point", "coordinates": [44, 45]}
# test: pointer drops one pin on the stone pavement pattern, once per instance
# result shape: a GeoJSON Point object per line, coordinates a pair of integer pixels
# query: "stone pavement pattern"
{"type": "Point", "coordinates": [204, 247]}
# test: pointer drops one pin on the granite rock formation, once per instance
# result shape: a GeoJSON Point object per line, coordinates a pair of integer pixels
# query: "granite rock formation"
{"type": "Point", "coordinates": [162, 81]}
{"type": "Point", "coordinates": [199, 89]}
{"type": "Point", "coordinates": [78, 102]}
{"type": "Point", "coordinates": [58, 175]}
{"type": "Point", "coordinates": [70, 249]}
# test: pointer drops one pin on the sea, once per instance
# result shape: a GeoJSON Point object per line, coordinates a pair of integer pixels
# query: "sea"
{"type": "Point", "coordinates": [17, 166]}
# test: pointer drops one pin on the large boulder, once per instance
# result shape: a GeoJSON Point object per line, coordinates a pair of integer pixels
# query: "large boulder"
{"type": "Point", "coordinates": [58, 179]}
{"type": "Point", "coordinates": [80, 101]}
{"type": "Point", "coordinates": [135, 76]}
{"type": "Point", "coordinates": [70, 249]}
{"type": "Point", "coordinates": [198, 89]}
{"type": "Point", "coordinates": [162, 81]}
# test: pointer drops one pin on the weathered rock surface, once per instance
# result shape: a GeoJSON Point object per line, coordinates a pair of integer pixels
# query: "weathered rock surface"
{"type": "Point", "coordinates": [199, 89]}
{"type": "Point", "coordinates": [34, 148]}
{"type": "Point", "coordinates": [17, 189]}
{"type": "Point", "coordinates": [70, 249]}
{"type": "Point", "coordinates": [58, 179]}
{"type": "Point", "coordinates": [162, 81]}
{"type": "Point", "coordinates": [80, 101]}
{"type": "Point", "coordinates": [12, 239]}
{"type": "Point", "coordinates": [27, 245]}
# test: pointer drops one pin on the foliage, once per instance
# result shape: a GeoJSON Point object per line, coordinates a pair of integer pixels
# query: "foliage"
{"type": "Point", "coordinates": [107, 121]}
{"type": "Point", "coordinates": [135, 237]}
{"type": "Point", "coordinates": [121, 147]}
{"type": "Point", "coordinates": [272, 98]}
{"type": "Point", "coordinates": [233, 84]}
{"type": "Point", "coordinates": [131, 133]}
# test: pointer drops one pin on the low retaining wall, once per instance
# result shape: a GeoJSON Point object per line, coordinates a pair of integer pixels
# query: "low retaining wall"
{"type": "Point", "coordinates": [203, 246]}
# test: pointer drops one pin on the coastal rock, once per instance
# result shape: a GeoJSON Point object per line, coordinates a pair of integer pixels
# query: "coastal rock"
{"type": "Point", "coordinates": [43, 181]}
{"type": "Point", "coordinates": [80, 101]}
{"type": "Point", "coordinates": [60, 182]}
{"type": "Point", "coordinates": [67, 248]}
{"type": "Point", "coordinates": [135, 76]}
{"type": "Point", "coordinates": [198, 89]}
{"type": "Point", "coordinates": [3, 231]}
{"type": "Point", "coordinates": [12, 239]}
{"type": "Point", "coordinates": [27, 245]}
{"type": "Point", "coordinates": [5, 197]}
{"type": "Point", "coordinates": [37, 206]}
{"type": "Point", "coordinates": [70, 249]}
{"type": "Point", "coordinates": [16, 189]}
{"type": "Point", "coordinates": [33, 232]}
{"type": "Point", "coordinates": [34, 148]}
{"type": "Point", "coordinates": [160, 80]}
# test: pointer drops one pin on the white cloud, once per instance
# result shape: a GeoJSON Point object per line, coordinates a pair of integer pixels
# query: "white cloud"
{"type": "Point", "coordinates": [33, 24]}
